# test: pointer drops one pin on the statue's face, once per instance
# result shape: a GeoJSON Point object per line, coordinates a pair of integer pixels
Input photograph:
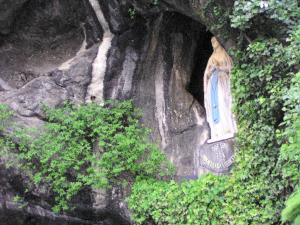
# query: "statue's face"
{"type": "Point", "coordinates": [214, 43]}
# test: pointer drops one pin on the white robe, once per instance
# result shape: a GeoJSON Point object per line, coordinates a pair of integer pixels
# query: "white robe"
{"type": "Point", "coordinates": [226, 127]}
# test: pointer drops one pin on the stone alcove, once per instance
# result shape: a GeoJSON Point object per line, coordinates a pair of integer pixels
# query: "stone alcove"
{"type": "Point", "coordinates": [201, 56]}
{"type": "Point", "coordinates": [41, 36]}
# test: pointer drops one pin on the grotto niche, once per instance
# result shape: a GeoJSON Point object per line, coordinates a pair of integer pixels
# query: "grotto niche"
{"type": "Point", "coordinates": [202, 54]}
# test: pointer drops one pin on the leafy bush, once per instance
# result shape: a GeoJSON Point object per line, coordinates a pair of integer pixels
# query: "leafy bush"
{"type": "Point", "coordinates": [292, 210]}
{"type": "Point", "coordinates": [290, 149]}
{"type": "Point", "coordinates": [246, 13]}
{"type": "Point", "coordinates": [195, 202]}
{"type": "Point", "coordinates": [61, 155]}
{"type": "Point", "coordinates": [266, 92]}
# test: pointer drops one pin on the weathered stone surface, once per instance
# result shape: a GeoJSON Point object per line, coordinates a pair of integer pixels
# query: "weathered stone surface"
{"type": "Point", "coordinates": [44, 35]}
{"type": "Point", "coordinates": [177, 122]}
{"type": "Point", "coordinates": [194, 9]}
{"type": "Point", "coordinates": [51, 89]}
{"type": "Point", "coordinates": [8, 12]}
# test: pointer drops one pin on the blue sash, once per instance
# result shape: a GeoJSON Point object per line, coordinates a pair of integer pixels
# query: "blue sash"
{"type": "Point", "coordinates": [214, 97]}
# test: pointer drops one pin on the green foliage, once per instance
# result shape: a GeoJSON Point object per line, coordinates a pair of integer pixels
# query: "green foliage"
{"type": "Point", "coordinates": [131, 12]}
{"type": "Point", "coordinates": [290, 149]}
{"type": "Point", "coordinates": [195, 202]}
{"type": "Point", "coordinates": [266, 91]}
{"type": "Point", "coordinates": [61, 155]}
{"type": "Point", "coordinates": [18, 200]}
{"type": "Point", "coordinates": [216, 15]}
{"type": "Point", "coordinates": [245, 12]}
{"type": "Point", "coordinates": [5, 115]}
{"type": "Point", "coordinates": [292, 210]}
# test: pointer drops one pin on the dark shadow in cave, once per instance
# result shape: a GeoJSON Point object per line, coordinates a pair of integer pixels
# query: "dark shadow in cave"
{"type": "Point", "coordinates": [202, 54]}
{"type": "Point", "coordinates": [44, 35]}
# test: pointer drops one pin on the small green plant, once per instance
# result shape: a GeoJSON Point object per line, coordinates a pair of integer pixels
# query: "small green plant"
{"type": "Point", "coordinates": [16, 198]}
{"type": "Point", "coordinates": [5, 115]}
{"type": "Point", "coordinates": [131, 12]}
{"type": "Point", "coordinates": [19, 201]}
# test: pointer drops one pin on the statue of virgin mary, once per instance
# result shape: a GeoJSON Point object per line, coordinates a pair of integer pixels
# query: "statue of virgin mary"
{"type": "Point", "coordinates": [217, 95]}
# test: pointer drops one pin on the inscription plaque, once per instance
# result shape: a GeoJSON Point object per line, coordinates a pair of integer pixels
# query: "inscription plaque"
{"type": "Point", "coordinates": [216, 157]}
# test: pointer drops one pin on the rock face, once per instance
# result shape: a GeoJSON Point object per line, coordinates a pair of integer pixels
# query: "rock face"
{"type": "Point", "coordinates": [8, 12]}
{"type": "Point", "coordinates": [56, 50]}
